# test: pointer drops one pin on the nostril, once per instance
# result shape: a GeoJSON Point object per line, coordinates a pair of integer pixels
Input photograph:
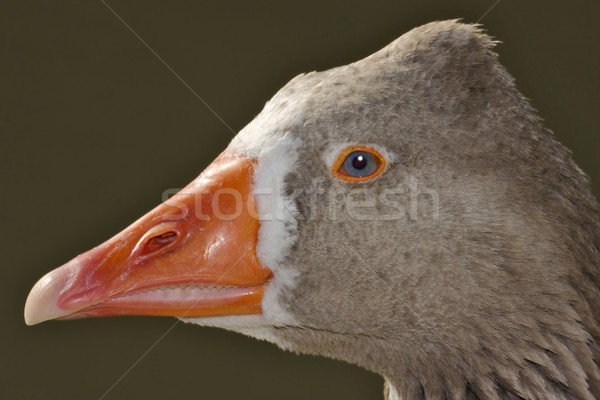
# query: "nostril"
{"type": "Point", "coordinates": [158, 242]}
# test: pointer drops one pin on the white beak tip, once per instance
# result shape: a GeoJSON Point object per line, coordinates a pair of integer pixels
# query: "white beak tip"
{"type": "Point", "coordinates": [41, 304]}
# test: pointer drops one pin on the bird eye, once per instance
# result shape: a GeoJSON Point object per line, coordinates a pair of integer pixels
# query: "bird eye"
{"type": "Point", "coordinates": [358, 163]}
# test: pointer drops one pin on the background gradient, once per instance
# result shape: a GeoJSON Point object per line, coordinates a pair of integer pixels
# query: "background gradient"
{"type": "Point", "coordinates": [94, 127]}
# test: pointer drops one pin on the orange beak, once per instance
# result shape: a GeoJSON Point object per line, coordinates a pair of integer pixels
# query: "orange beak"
{"type": "Point", "coordinates": [194, 255]}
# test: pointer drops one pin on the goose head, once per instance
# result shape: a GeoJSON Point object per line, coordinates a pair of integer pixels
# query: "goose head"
{"type": "Point", "coordinates": [408, 213]}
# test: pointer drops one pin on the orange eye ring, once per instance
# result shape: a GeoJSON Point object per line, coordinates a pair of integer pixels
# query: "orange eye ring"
{"type": "Point", "coordinates": [338, 167]}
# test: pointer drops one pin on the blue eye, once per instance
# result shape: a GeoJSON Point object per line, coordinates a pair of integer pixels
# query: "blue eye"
{"type": "Point", "coordinates": [358, 163]}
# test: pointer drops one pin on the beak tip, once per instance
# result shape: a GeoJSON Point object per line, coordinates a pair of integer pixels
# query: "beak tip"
{"type": "Point", "coordinates": [29, 320]}
{"type": "Point", "coordinates": [33, 312]}
{"type": "Point", "coordinates": [41, 304]}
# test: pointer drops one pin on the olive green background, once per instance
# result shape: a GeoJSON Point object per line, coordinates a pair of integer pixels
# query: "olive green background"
{"type": "Point", "coordinates": [93, 128]}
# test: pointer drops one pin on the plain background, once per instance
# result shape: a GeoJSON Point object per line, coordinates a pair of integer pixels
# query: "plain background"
{"type": "Point", "coordinates": [93, 128]}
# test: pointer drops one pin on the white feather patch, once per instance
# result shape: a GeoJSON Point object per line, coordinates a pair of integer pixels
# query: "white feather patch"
{"type": "Point", "coordinates": [278, 226]}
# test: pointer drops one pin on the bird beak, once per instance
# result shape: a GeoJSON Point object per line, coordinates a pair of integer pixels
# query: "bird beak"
{"type": "Point", "coordinates": [194, 255]}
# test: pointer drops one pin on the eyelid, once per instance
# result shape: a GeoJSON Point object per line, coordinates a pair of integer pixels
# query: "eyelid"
{"type": "Point", "coordinates": [335, 170]}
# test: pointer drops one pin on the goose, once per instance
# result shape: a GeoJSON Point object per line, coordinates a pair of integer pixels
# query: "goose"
{"type": "Point", "coordinates": [408, 213]}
